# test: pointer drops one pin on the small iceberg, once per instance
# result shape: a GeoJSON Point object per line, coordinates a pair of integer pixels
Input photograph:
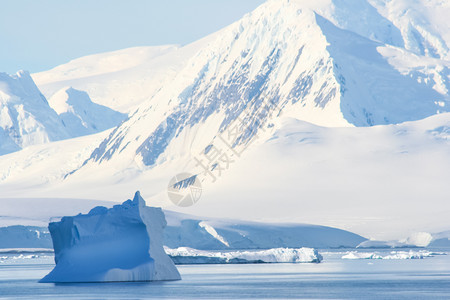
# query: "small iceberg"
{"type": "Point", "coordinates": [185, 255]}
{"type": "Point", "coordinates": [123, 243]}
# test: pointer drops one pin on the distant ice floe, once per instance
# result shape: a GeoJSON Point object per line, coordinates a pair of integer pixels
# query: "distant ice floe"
{"type": "Point", "coordinates": [392, 255]}
{"type": "Point", "coordinates": [17, 257]}
{"type": "Point", "coordinates": [29, 258]}
{"type": "Point", "coordinates": [25, 250]}
{"type": "Point", "coordinates": [185, 255]}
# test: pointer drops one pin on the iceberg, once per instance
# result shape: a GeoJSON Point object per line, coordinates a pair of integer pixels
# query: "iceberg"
{"type": "Point", "coordinates": [123, 243]}
{"type": "Point", "coordinates": [186, 255]}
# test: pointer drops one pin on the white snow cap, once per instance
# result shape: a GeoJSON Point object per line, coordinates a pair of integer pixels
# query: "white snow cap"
{"type": "Point", "coordinates": [123, 243]}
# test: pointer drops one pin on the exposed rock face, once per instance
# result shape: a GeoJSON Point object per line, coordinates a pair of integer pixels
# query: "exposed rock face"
{"type": "Point", "coordinates": [124, 243]}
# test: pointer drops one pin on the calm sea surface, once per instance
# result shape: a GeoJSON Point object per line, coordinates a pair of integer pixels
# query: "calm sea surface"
{"type": "Point", "coordinates": [334, 278]}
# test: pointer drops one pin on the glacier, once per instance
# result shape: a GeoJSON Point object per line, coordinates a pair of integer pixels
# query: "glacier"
{"type": "Point", "coordinates": [207, 233]}
{"type": "Point", "coordinates": [123, 243]}
{"type": "Point", "coordinates": [186, 255]}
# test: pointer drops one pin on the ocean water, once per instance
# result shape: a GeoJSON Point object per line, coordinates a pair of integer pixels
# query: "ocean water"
{"type": "Point", "coordinates": [334, 278]}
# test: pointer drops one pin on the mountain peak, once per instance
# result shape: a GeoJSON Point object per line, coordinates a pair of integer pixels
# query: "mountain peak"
{"type": "Point", "coordinates": [319, 62]}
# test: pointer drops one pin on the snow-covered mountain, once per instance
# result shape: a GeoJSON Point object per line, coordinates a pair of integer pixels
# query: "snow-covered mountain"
{"type": "Point", "coordinates": [27, 118]}
{"type": "Point", "coordinates": [80, 115]}
{"type": "Point", "coordinates": [335, 112]}
{"type": "Point", "coordinates": [25, 115]}
{"type": "Point", "coordinates": [309, 66]}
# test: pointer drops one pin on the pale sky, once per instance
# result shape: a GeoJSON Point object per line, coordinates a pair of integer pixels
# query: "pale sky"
{"type": "Point", "coordinates": [39, 35]}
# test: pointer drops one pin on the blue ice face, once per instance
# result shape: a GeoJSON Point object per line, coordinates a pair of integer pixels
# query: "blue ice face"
{"type": "Point", "coordinates": [89, 246]}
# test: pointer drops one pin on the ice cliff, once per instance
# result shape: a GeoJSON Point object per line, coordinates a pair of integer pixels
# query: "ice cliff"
{"type": "Point", "coordinates": [186, 255]}
{"type": "Point", "coordinates": [123, 243]}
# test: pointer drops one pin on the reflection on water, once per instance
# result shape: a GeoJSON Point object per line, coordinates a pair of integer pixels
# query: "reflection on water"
{"type": "Point", "coordinates": [334, 278]}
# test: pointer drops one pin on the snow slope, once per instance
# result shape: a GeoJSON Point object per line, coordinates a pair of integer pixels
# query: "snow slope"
{"type": "Point", "coordinates": [103, 63]}
{"type": "Point", "coordinates": [376, 181]}
{"type": "Point", "coordinates": [210, 233]}
{"type": "Point", "coordinates": [383, 182]}
{"type": "Point", "coordinates": [122, 79]}
{"type": "Point", "coordinates": [29, 167]}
